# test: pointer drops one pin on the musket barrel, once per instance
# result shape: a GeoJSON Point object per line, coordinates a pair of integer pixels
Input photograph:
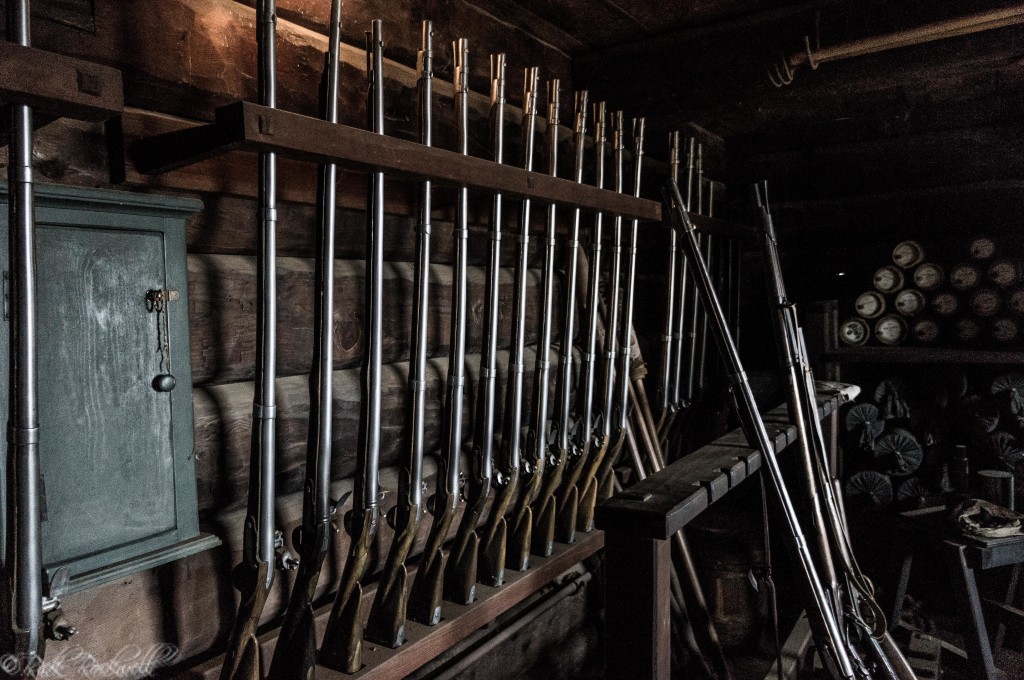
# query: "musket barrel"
{"type": "Point", "coordinates": [588, 358]}
{"type": "Point", "coordinates": [24, 551]}
{"type": "Point", "coordinates": [341, 647]}
{"type": "Point", "coordinates": [669, 335]}
{"type": "Point", "coordinates": [611, 333]}
{"type": "Point", "coordinates": [625, 344]}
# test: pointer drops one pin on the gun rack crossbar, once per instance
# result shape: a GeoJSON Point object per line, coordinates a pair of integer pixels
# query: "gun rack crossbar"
{"type": "Point", "coordinates": [56, 86]}
{"type": "Point", "coordinates": [424, 643]}
{"type": "Point", "coordinates": [244, 126]}
{"type": "Point", "coordinates": [638, 523]}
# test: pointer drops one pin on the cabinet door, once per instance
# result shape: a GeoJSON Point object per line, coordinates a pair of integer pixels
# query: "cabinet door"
{"type": "Point", "coordinates": [116, 453]}
{"type": "Point", "coordinates": [99, 350]}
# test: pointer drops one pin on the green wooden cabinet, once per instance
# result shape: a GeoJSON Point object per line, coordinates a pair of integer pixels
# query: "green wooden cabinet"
{"type": "Point", "coordinates": [118, 467]}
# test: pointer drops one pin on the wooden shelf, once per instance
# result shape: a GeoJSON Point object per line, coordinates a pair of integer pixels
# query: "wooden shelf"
{"type": "Point", "coordinates": [244, 126]}
{"type": "Point", "coordinates": [922, 355]}
{"type": "Point", "coordinates": [56, 86]}
{"type": "Point", "coordinates": [664, 503]}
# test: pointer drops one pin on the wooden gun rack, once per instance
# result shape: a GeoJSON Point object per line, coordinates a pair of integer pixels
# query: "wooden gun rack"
{"type": "Point", "coordinates": [244, 126]}
{"type": "Point", "coordinates": [247, 127]}
{"type": "Point", "coordinates": [639, 522]}
{"type": "Point", "coordinates": [56, 86]}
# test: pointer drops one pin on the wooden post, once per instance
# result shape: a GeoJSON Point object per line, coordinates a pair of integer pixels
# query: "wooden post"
{"type": "Point", "coordinates": [637, 607]}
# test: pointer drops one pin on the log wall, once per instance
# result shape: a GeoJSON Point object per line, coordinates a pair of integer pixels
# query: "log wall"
{"type": "Point", "coordinates": [180, 60]}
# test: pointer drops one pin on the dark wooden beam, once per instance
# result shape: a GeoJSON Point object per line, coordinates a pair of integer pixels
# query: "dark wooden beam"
{"type": "Point", "coordinates": [59, 86]}
{"type": "Point", "coordinates": [250, 127]}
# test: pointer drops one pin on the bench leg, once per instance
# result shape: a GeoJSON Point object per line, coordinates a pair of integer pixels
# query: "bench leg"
{"type": "Point", "coordinates": [899, 588]}
{"type": "Point", "coordinates": [637, 608]}
{"type": "Point", "coordinates": [979, 653]}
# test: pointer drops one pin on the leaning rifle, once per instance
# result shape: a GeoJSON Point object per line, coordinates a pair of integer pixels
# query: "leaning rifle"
{"type": "Point", "coordinates": [585, 441]}
{"type": "Point", "coordinates": [461, 572]}
{"type": "Point", "coordinates": [821, 616]}
{"type": "Point", "coordinates": [506, 477]}
{"type": "Point", "coordinates": [669, 336]}
{"type": "Point", "coordinates": [558, 451]}
{"type": "Point", "coordinates": [262, 545]}
{"type": "Point", "coordinates": [851, 590]}
{"type": "Point", "coordinates": [342, 645]}
{"type": "Point", "coordinates": [425, 598]}
{"type": "Point", "coordinates": [295, 653]}
{"type": "Point", "coordinates": [682, 395]}
{"type": "Point", "coordinates": [386, 624]}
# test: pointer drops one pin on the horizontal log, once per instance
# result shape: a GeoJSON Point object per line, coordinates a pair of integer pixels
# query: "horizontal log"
{"type": "Point", "coordinates": [402, 26]}
{"type": "Point", "coordinates": [222, 313]}
{"type": "Point", "coordinates": [223, 416]}
{"type": "Point", "coordinates": [228, 225]}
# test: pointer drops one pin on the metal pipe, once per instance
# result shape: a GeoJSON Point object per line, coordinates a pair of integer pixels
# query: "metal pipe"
{"type": "Point", "coordinates": [669, 336]}
{"type": "Point", "coordinates": [940, 30]}
{"type": "Point", "coordinates": [545, 604]}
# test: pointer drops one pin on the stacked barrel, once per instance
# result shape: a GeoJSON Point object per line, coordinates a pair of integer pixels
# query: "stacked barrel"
{"type": "Point", "coordinates": [977, 300]}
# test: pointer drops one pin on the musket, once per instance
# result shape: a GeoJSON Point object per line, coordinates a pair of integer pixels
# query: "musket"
{"type": "Point", "coordinates": [262, 545]}
{"type": "Point", "coordinates": [621, 408]}
{"type": "Point", "coordinates": [598, 473]}
{"type": "Point", "coordinates": [585, 443]}
{"type": "Point", "coordinates": [820, 614]}
{"type": "Point", "coordinates": [295, 653]}
{"type": "Point", "coordinates": [342, 645]}
{"type": "Point", "coordinates": [425, 598]}
{"type": "Point", "coordinates": [460, 574]}
{"type": "Point", "coordinates": [31, 607]}
{"type": "Point", "coordinates": [680, 396]}
{"type": "Point", "coordinates": [669, 336]}
{"type": "Point", "coordinates": [852, 591]}
{"type": "Point", "coordinates": [491, 570]}
{"type": "Point", "coordinates": [386, 624]}
{"type": "Point", "coordinates": [559, 451]}
{"type": "Point", "coordinates": [697, 312]}
{"type": "Point", "coordinates": [517, 555]}
{"type": "Point", "coordinates": [708, 244]}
